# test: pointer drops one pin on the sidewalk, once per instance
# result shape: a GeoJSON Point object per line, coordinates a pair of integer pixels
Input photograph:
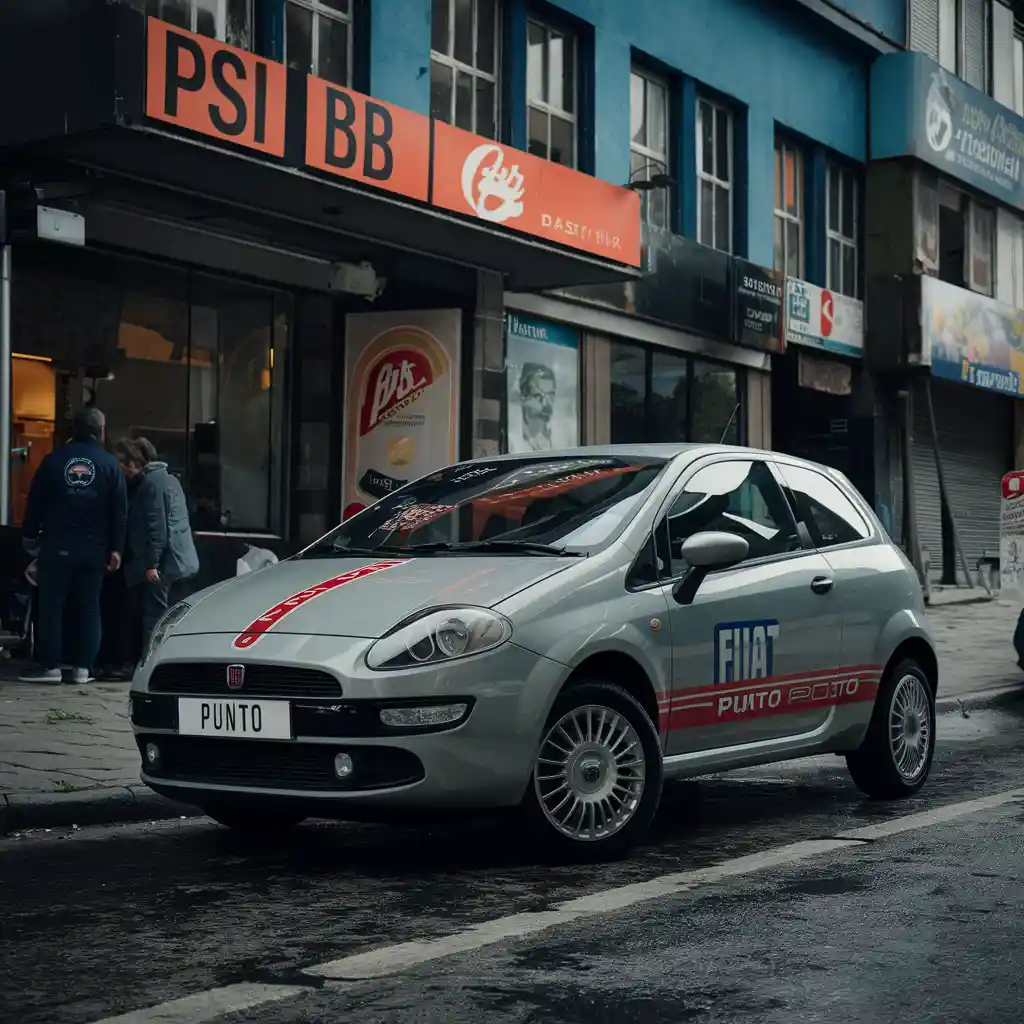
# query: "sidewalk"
{"type": "Point", "coordinates": [67, 755]}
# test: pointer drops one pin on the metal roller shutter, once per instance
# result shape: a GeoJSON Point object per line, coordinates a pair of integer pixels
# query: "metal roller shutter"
{"type": "Point", "coordinates": [924, 27]}
{"type": "Point", "coordinates": [976, 48]}
{"type": "Point", "coordinates": [975, 431]}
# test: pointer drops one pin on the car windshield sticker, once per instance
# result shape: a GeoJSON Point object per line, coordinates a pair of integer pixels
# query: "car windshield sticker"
{"type": "Point", "coordinates": [252, 633]}
{"type": "Point", "coordinates": [414, 516]}
{"type": "Point", "coordinates": [79, 472]}
{"type": "Point", "coordinates": [745, 650]}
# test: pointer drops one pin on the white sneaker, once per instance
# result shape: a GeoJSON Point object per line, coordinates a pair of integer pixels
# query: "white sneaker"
{"type": "Point", "coordinates": [44, 675]}
{"type": "Point", "coordinates": [81, 675]}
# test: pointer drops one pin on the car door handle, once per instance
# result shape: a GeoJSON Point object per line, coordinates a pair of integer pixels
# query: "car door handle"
{"type": "Point", "coordinates": [822, 584]}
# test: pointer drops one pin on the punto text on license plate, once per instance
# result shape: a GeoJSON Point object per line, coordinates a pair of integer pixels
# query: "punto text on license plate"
{"type": "Point", "coordinates": [248, 719]}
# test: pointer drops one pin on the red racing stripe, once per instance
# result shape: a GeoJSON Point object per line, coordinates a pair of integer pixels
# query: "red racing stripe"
{"type": "Point", "coordinates": [273, 616]}
{"type": "Point", "coordinates": [825, 673]}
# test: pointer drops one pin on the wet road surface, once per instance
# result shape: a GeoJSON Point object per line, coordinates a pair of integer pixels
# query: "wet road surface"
{"type": "Point", "coordinates": [106, 921]}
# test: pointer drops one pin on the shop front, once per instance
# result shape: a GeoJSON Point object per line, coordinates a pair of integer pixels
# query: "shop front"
{"type": "Point", "coordinates": [288, 287]}
{"type": "Point", "coordinates": [817, 407]}
{"type": "Point", "coordinates": [682, 355]}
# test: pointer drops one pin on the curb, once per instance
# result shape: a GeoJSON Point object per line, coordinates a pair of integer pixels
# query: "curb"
{"type": "Point", "coordinates": [959, 602]}
{"type": "Point", "coordinates": [107, 806]}
{"type": "Point", "coordinates": [981, 699]}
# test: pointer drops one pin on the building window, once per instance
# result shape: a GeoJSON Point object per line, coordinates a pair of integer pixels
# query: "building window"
{"type": "Point", "coordinates": [648, 143]}
{"type": "Point", "coordinates": [227, 20]}
{"type": "Point", "coordinates": [956, 34]}
{"type": "Point", "coordinates": [714, 175]}
{"type": "Point", "coordinates": [464, 64]}
{"type": "Point", "coordinates": [1018, 66]}
{"type": "Point", "coordinates": [966, 241]}
{"type": "Point", "coordinates": [789, 206]}
{"type": "Point", "coordinates": [318, 38]}
{"type": "Point", "coordinates": [658, 395]}
{"type": "Point", "coordinates": [982, 224]}
{"type": "Point", "coordinates": [841, 274]}
{"type": "Point", "coordinates": [551, 93]}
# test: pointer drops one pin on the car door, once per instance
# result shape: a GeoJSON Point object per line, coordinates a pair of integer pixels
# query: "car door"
{"type": "Point", "coordinates": [757, 638]}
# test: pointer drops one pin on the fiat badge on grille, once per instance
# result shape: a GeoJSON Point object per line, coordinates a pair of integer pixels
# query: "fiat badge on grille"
{"type": "Point", "coordinates": [235, 676]}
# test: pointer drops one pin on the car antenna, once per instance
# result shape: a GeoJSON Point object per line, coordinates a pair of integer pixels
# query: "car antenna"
{"type": "Point", "coordinates": [735, 410]}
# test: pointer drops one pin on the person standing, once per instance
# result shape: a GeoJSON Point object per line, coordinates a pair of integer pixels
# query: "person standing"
{"type": "Point", "coordinates": [160, 551]}
{"type": "Point", "coordinates": [75, 524]}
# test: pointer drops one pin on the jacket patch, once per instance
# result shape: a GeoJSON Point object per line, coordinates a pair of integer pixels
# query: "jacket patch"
{"type": "Point", "coordinates": [79, 472]}
{"type": "Point", "coordinates": [273, 616]}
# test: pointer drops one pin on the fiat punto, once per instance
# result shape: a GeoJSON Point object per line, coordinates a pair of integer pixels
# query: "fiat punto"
{"type": "Point", "coordinates": [557, 633]}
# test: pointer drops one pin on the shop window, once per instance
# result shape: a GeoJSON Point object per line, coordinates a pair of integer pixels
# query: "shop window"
{"type": "Point", "coordinates": [830, 516]}
{"type": "Point", "coordinates": [318, 38]}
{"type": "Point", "coordinates": [789, 209]}
{"type": "Point", "coordinates": [714, 175]}
{"type": "Point", "coordinates": [465, 56]}
{"type": "Point", "coordinates": [842, 231]}
{"type": "Point", "coordinates": [648, 143]}
{"type": "Point", "coordinates": [658, 395]}
{"type": "Point", "coordinates": [966, 242]}
{"type": "Point", "coordinates": [227, 20]}
{"type": "Point", "coordinates": [956, 34]}
{"type": "Point", "coordinates": [551, 75]}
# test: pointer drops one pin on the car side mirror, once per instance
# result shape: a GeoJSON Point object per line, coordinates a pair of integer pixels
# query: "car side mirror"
{"type": "Point", "coordinates": [704, 552]}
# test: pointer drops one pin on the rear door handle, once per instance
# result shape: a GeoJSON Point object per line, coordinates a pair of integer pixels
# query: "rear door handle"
{"type": "Point", "coordinates": [822, 584]}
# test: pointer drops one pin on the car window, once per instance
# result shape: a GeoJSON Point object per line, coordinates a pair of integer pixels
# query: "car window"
{"type": "Point", "coordinates": [830, 516]}
{"type": "Point", "coordinates": [737, 496]}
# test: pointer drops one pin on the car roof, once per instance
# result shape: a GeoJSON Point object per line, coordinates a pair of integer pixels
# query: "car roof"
{"type": "Point", "coordinates": [649, 451]}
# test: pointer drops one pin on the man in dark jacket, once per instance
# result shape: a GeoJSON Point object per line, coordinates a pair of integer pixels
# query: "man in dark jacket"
{"type": "Point", "coordinates": [75, 520]}
{"type": "Point", "coordinates": [159, 542]}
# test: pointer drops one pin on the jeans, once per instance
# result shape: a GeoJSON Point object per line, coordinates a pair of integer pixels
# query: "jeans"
{"type": "Point", "coordinates": [75, 586]}
{"type": "Point", "coordinates": [149, 601]}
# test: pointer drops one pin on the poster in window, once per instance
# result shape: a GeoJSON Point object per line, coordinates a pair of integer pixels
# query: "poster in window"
{"type": "Point", "coordinates": [542, 368]}
{"type": "Point", "coordinates": [401, 400]}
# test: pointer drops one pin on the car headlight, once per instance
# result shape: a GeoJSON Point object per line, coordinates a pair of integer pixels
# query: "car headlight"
{"type": "Point", "coordinates": [166, 623]}
{"type": "Point", "coordinates": [442, 634]}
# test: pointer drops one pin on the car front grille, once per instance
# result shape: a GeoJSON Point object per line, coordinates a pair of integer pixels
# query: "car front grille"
{"type": "Point", "coordinates": [266, 764]}
{"type": "Point", "coordinates": [209, 679]}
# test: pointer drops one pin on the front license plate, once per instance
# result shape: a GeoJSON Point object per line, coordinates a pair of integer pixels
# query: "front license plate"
{"type": "Point", "coordinates": [246, 719]}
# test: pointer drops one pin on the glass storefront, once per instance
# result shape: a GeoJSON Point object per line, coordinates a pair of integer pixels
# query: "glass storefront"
{"type": "Point", "coordinates": [194, 362]}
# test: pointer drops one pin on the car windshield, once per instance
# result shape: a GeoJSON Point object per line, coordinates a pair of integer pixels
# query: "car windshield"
{"type": "Point", "coordinates": [529, 505]}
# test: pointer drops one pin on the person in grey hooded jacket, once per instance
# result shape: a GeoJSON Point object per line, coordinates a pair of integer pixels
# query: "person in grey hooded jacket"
{"type": "Point", "coordinates": [159, 546]}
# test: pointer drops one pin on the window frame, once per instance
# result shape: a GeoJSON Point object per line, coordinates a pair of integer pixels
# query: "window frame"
{"type": "Point", "coordinates": [550, 112]}
{"type": "Point", "coordinates": [318, 9]}
{"type": "Point", "coordinates": [222, 20]}
{"type": "Point", "coordinates": [836, 234]}
{"type": "Point", "coordinates": [974, 207]}
{"type": "Point", "coordinates": [456, 66]}
{"type": "Point", "coordinates": [652, 158]}
{"type": "Point", "coordinates": [711, 179]}
{"type": "Point", "coordinates": [784, 146]}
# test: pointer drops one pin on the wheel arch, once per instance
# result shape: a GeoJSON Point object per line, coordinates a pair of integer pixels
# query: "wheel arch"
{"type": "Point", "coordinates": [623, 670]}
{"type": "Point", "coordinates": [921, 651]}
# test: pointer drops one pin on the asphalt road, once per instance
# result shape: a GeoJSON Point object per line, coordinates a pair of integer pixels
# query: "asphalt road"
{"type": "Point", "coordinates": [921, 925]}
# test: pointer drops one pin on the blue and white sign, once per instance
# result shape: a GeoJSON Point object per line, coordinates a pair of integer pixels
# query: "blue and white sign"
{"type": "Point", "coordinates": [825, 320]}
{"type": "Point", "coordinates": [918, 109]}
{"type": "Point", "coordinates": [542, 369]}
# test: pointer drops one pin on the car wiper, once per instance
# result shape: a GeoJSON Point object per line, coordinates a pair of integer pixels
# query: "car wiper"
{"type": "Point", "coordinates": [343, 550]}
{"type": "Point", "coordinates": [497, 545]}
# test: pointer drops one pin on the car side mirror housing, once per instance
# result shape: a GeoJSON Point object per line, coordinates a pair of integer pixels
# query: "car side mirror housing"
{"type": "Point", "coordinates": [704, 552]}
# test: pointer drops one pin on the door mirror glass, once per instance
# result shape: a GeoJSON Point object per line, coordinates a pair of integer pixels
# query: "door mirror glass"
{"type": "Point", "coordinates": [712, 549]}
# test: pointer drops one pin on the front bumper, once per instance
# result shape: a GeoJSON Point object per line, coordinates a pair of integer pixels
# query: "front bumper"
{"type": "Point", "coordinates": [482, 762]}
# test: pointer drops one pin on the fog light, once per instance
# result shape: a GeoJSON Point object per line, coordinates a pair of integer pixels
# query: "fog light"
{"type": "Point", "coordinates": [423, 717]}
{"type": "Point", "coordinates": [342, 765]}
{"type": "Point", "coordinates": [152, 755]}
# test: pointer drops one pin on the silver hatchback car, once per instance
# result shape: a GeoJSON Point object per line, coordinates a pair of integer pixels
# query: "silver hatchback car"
{"type": "Point", "coordinates": [557, 632]}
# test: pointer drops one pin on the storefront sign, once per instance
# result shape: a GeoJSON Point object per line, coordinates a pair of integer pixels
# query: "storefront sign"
{"type": "Point", "coordinates": [971, 338]}
{"type": "Point", "coordinates": [362, 139]}
{"type": "Point", "coordinates": [920, 110]}
{"type": "Point", "coordinates": [542, 369]}
{"type": "Point", "coordinates": [824, 375]}
{"type": "Point", "coordinates": [1011, 536]}
{"type": "Point", "coordinates": [758, 306]}
{"type": "Point", "coordinates": [401, 400]}
{"type": "Point", "coordinates": [824, 320]}
{"type": "Point", "coordinates": [214, 89]}
{"type": "Point", "coordinates": [506, 186]}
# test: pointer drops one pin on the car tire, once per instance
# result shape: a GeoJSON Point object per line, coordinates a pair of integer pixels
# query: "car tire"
{"type": "Point", "coordinates": [254, 822]}
{"type": "Point", "coordinates": [592, 773]}
{"type": "Point", "coordinates": [902, 729]}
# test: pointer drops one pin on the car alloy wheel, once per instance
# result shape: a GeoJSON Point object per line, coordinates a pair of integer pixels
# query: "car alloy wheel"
{"type": "Point", "coordinates": [910, 727]}
{"type": "Point", "coordinates": [590, 773]}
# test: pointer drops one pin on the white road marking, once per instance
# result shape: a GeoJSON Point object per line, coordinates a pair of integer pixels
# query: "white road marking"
{"type": "Point", "coordinates": [388, 960]}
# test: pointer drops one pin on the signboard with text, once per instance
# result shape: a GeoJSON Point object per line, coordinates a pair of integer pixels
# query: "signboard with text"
{"type": "Point", "coordinates": [1011, 536]}
{"type": "Point", "coordinates": [823, 319]}
{"type": "Point", "coordinates": [758, 295]}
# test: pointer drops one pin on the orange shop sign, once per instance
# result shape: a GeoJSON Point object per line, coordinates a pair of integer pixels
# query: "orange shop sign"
{"type": "Point", "coordinates": [506, 186]}
{"type": "Point", "coordinates": [214, 89]}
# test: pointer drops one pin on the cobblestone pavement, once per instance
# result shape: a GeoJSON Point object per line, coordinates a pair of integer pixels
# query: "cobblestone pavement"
{"type": "Point", "coordinates": [65, 739]}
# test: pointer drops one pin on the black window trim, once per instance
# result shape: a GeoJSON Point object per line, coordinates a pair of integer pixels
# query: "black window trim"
{"type": "Point", "coordinates": [686, 475]}
{"type": "Point", "coordinates": [854, 499]}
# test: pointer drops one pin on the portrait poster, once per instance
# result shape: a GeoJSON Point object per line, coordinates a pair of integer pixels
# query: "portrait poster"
{"type": "Point", "coordinates": [542, 368]}
{"type": "Point", "coordinates": [401, 400]}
